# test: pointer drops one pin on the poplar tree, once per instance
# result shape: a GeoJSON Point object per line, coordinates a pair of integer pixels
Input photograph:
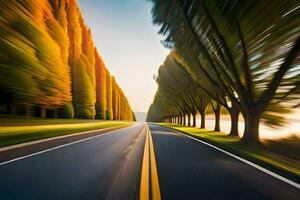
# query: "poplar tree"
{"type": "Point", "coordinates": [109, 108]}
{"type": "Point", "coordinates": [101, 86]}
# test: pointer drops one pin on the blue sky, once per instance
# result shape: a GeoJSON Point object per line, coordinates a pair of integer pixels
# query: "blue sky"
{"type": "Point", "coordinates": [129, 44]}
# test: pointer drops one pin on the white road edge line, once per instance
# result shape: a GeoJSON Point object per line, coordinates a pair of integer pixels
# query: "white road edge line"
{"type": "Point", "coordinates": [290, 182]}
{"type": "Point", "coordinates": [57, 147]}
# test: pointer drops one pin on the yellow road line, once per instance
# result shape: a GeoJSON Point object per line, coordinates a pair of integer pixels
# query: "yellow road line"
{"type": "Point", "coordinates": [149, 156]}
{"type": "Point", "coordinates": [154, 176]}
{"type": "Point", "coordinates": [144, 185]}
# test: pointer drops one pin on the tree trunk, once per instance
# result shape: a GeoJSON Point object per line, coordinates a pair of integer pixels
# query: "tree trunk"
{"type": "Point", "coordinates": [202, 120]}
{"type": "Point", "coordinates": [194, 119]}
{"type": "Point", "coordinates": [13, 109]}
{"type": "Point", "coordinates": [189, 119]}
{"type": "Point", "coordinates": [234, 115]}
{"type": "Point", "coordinates": [184, 120]}
{"type": "Point", "coordinates": [251, 128]}
{"type": "Point", "coordinates": [55, 114]}
{"type": "Point", "coordinates": [43, 112]}
{"type": "Point", "coordinates": [28, 111]}
{"type": "Point", "coordinates": [217, 112]}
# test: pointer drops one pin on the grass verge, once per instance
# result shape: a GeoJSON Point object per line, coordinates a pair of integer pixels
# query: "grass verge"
{"type": "Point", "coordinates": [281, 157]}
{"type": "Point", "coordinates": [20, 130]}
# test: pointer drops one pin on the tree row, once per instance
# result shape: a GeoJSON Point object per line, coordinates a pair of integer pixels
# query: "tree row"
{"type": "Point", "coordinates": [49, 66]}
{"type": "Point", "coordinates": [239, 55]}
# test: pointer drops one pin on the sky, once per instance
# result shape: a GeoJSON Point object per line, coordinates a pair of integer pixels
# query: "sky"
{"type": "Point", "coordinates": [128, 42]}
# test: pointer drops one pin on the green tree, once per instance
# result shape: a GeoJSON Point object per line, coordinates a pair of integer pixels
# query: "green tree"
{"type": "Point", "coordinates": [109, 87]}
{"type": "Point", "coordinates": [83, 98]}
{"type": "Point", "coordinates": [31, 57]}
{"type": "Point", "coordinates": [254, 60]}
{"type": "Point", "coordinates": [48, 62]}
{"type": "Point", "coordinates": [100, 88]}
{"type": "Point", "coordinates": [114, 98]}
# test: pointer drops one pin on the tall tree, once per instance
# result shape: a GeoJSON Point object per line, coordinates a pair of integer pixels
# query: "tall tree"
{"type": "Point", "coordinates": [48, 62]}
{"type": "Point", "coordinates": [100, 87]}
{"type": "Point", "coordinates": [32, 59]}
{"type": "Point", "coordinates": [109, 108]}
{"type": "Point", "coordinates": [239, 52]}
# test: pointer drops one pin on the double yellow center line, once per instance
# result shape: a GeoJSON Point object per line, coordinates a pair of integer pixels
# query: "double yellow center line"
{"type": "Point", "coordinates": [149, 168]}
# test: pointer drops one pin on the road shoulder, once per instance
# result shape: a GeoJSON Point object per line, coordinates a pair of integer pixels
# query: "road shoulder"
{"type": "Point", "coordinates": [294, 177]}
{"type": "Point", "coordinates": [20, 150]}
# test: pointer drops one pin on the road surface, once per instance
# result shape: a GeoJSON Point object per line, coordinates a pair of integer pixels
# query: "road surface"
{"type": "Point", "coordinates": [188, 169]}
{"type": "Point", "coordinates": [104, 167]}
{"type": "Point", "coordinates": [117, 165]}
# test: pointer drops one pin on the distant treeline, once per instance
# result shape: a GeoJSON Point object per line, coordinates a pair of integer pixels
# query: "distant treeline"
{"type": "Point", "coordinates": [49, 66]}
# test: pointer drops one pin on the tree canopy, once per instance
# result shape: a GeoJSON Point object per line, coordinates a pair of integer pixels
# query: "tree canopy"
{"type": "Point", "coordinates": [247, 51]}
{"type": "Point", "coordinates": [49, 66]}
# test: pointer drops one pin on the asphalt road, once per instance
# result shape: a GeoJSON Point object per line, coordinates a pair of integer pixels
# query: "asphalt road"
{"type": "Point", "coordinates": [104, 167]}
{"type": "Point", "coordinates": [109, 166]}
{"type": "Point", "coordinates": [188, 169]}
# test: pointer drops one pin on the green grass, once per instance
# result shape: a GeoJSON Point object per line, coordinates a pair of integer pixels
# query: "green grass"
{"type": "Point", "coordinates": [281, 155]}
{"type": "Point", "coordinates": [16, 120]}
{"type": "Point", "coordinates": [19, 130]}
